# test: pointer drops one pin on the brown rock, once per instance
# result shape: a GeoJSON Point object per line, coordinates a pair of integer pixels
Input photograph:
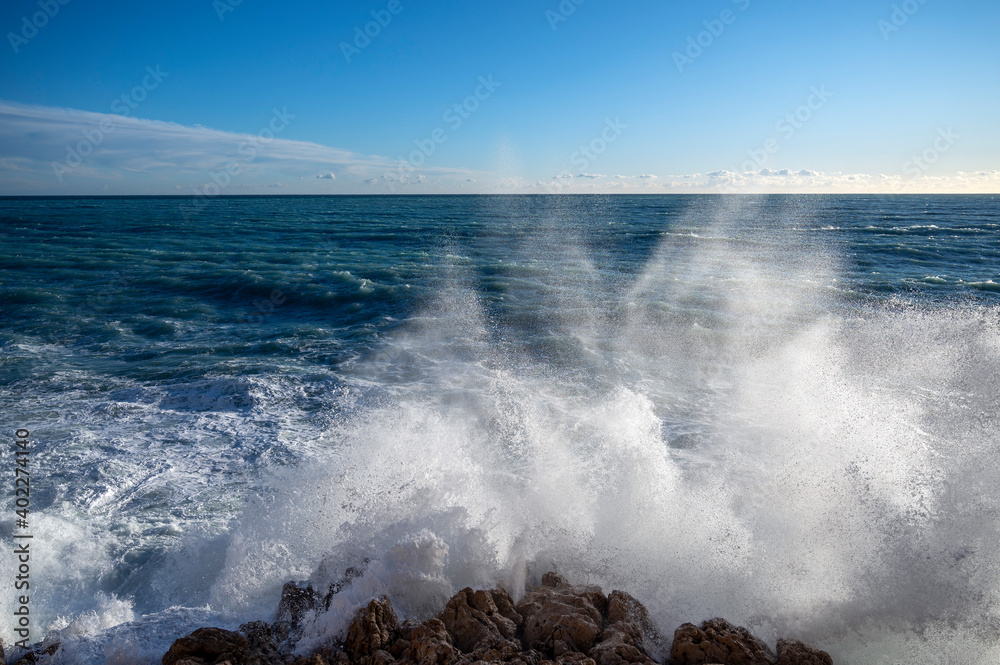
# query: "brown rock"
{"type": "Point", "coordinates": [430, 644]}
{"type": "Point", "coordinates": [505, 606]}
{"type": "Point", "coordinates": [297, 598]}
{"type": "Point", "coordinates": [380, 657]}
{"type": "Point", "coordinates": [553, 579]}
{"type": "Point", "coordinates": [793, 652]}
{"type": "Point", "coordinates": [625, 636]}
{"type": "Point", "coordinates": [211, 646]}
{"type": "Point", "coordinates": [474, 621]}
{"type": "Point", "coordinates": [574, 658]}
{"type": "Point", "coordinates": [559, 618]}
{"type": "Point", "coordinates": [262, 647]}
{"type": "Point", "coordinates": [569, 658]}
{"type": "Point", "coordinates": [718, 641]}
{"type": "Point", "coordinates": [372, 629]}
{"type": "Point", "coordinates": [502, 652]}
{"type": "Point", "coordinates": [333, 656]}
{"type": "Point", "coordinates": [617, 649]}
{"type": "Point", "coordinates": [529, 657]}
{"type": "Point", "coordinates": [401, 646]}
{"type": "Point", "coordinates": [314, 659]}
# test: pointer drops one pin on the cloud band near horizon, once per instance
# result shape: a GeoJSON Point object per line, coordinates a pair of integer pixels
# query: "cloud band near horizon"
{"type": "Point", "coordinates": [57, 151]}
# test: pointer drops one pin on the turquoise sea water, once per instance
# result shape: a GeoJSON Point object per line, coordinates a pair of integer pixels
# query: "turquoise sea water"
{"type": "Point", "coordinates": [781, 409]}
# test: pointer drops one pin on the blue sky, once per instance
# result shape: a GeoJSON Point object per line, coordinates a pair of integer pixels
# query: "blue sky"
{"type": "Point", "coordinates": [209, 97]}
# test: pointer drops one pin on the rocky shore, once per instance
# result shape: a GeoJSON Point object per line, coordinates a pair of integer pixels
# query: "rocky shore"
{"type": "Point", "coordinates": [553, 624]}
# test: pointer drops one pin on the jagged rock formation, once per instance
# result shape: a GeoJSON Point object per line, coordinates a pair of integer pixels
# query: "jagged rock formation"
{"type": "Point", "coordinates": [554, 624]}
{"type": "Point", "coordinates": [208, 645]}
{"type": "Point", "coordinates": [373, 630]}
{"type": "Point", "coordinates": [718, 641]}
{"type": "Point", "coordinates": [793, 652]}
{"type": "Point", "coordinates": [561, 619]}
{"type": "Point", "coordinates": [624, 637]}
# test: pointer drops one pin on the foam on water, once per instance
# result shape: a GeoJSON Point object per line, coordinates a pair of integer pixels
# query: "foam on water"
{"type": "Point", "coordinates": [725, 435]}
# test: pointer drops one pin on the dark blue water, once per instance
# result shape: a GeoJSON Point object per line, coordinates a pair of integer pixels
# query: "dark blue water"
{"type": "Point", "coordinates": [813, 377]}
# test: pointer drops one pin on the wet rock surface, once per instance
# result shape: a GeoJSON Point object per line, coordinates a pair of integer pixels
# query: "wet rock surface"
{"type": "Point", "coordinates": [559, 618]}
{"type": "Point", "coordinates": [373, 630]}
{"type": "Point", "coordinates": [793, 652]}
{"type": "Point", "coordinates": [718, 641]}
{"type": "Point", "coordinates": [555, 623]}
{"type": "Point", "coordinates": [208, 646]}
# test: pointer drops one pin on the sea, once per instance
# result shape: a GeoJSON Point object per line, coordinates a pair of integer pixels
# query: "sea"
{"type": "Point", "coordinates": [780, 410]}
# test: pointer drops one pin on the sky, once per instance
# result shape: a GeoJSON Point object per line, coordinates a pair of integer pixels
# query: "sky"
{"type": "Point", "coordinates": [226, 97]}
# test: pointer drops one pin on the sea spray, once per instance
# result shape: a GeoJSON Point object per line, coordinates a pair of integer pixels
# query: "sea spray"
{"type": "Point", "coordinates": [797, 466]}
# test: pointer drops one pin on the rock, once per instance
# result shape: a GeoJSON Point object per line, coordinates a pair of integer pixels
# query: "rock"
{"type": "Point", "coordinates": [553, 579]}
{"type": "Point", "coordinates": [333, 656]}
{"type": "Point", "coordinates": [554, 624]}
{"type": "Point", "coordinates": [616, 651]}
{"type": "Point", "coordinates": [622, 640]}
{"type": "Point", "coordinates": [314, 659]}
{"type": "Point", "coordinates": [559, 618]}
{"type": "Point", "coordinates": [474, 621]}
{"type": "Point", "coordinates": [430, 644]}
{"type": "Point", "coordinates": [574, 658]}
{"type": "Point", "coordinates": [32, 657]}
{"type": "Point", "coordinates": [793, 652]}
{"type": "Point", "coordinates": [505, 606]}
{"type": "Point", "coordinates": [529, 657]}
{"type": "Point", "coordinates": [718, 641]}
{"type": "Point", "coordinates": [380, 657]}
{"type": "Point", "coordinates": [262, 646]}
{"type": "Point", "coordinates": [211, 646]}
{"type": "Point", "coordinates": [298, 599]}
{"type": "Point", "coordinates": [401, 646]}
{"type": "Point", "coordinates": [373, 629]}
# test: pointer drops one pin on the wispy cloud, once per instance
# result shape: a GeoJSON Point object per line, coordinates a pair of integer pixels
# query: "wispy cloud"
{"type": "Point", "coordinates": [47, 150]}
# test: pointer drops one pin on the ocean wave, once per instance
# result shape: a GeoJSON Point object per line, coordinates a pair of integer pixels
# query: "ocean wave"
{"type": "Point", "coordinates": [758, 428]}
